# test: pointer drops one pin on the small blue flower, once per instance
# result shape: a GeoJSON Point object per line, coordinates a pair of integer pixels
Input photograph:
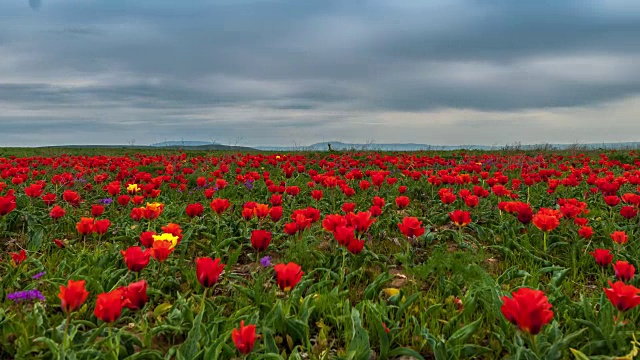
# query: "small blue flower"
{"type": "Point", "coordinates": [27, 295]}
{"type": "Point", "coordinates": [265, 261]}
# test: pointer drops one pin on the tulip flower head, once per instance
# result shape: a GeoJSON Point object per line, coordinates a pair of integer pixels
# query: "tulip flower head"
{"type": "Point", "coordinates": [208, 271]}
{"type": "Point", "coordinates": [73, 295]}
{"type": "Point", "coordinates": [244, 337]}
{"type": "Point", "coordinates": [528, 309]}
{"type": "Point", "coordinates": [623, 297]}
{"type": "Point", "coordinates": [288, 275]}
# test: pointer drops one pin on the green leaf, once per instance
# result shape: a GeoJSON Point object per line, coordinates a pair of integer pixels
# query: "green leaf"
{"type": "Point", "coordinates": [145, 355]}
{"type": "Point", "coordinates": [405, 352]}
{"type": "Point", "coordinates": [359, 347]}
{"type": "Point", "coordinates": [52, 345]}
{"type": "Point", "coordinates": [190, 348]}
{"type": "Point", "coordinates": [578, 354]}
{"type": "Point", "coordinates": [463, 334]}
{"type": "Point", "coordinates": [161, 309]}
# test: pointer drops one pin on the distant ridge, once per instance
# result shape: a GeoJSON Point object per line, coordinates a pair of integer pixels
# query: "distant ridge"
{"type": "Point", "coordinates": [338, 145]}
{"type": "Point", "coordinates": [341, 146]}
{"type": "Point", "coordinates": [169, 145]}
{"type": "Point", "coordinates": [182, 143]}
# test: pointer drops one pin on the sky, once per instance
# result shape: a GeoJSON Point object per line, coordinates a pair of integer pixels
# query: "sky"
{"type": "Point", "coordinates": [291, 73]}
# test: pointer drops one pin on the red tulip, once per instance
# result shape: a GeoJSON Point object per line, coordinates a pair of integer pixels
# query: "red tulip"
{"type": "Point", "coordinates": [275, 213]}
{"type": "Point", "coordinates": [291, 228]}
{"type": "Point", "coordinates": [402, 202]}
{"type": "Point", "coordinates": [355, 246]}
{"type": "Point", "coordinates": [460, 218]}
{"type": "Point", "coordinates": [137, 214]}
{"type": "Point", "coordinates": [612, 200]}
{"type": "Point", "coordinates": [85, 226]}
{"type": "Point", "coordinates": [71, 197]}
{"type": "Point", "coordinates": [146, 238]}
{"type": "Point", "coordinates": [73, 295]}
{"type": "Point", "coordinates": [109, 305]}
{"type": "Point", "coordinates": [619, 237]}
{"type": "Point", "coordinates": [97, 210]}
{"type": "Point", "coordinates": [471, 201]}
{"type": "Point", "coordinates": [344, 234]}
{"type": "Point", "coordinates": [603, 257]}
{"type": "Point", "coordinates": [332, 221]}
{"type": "Point", "coordinates": [7, 203]}
{"type": "Point", "coordinates": [208, 271]}
{"type": "Point", "coordinates": [411, 227]}
{"type": "Point", "coordinates": [361, 221]}
{"type": "Point", "coordinates": [123, 200]}
{"type": "Point", "coordinates": [545, 222]}
{"type": "Point", "coordinates": [623, 297]}
{"type": "Point", "coordinates": [287, 276]}
{"type": "Point", "coordinates": [529, 309]}
{"type": "Point", "coordinates": [19, 257]}
{"type": "Point", "coordinates": [134, 295]}
{"type": "Point", "coordinates": [585, 232]}
{"type": "Point", "coordinates": [624, 271]}
{"type": "Point", "coordinates": [135, 258]}
{"type": "Point", "coordinates": [244, 337]}
{"type": "Point", "coordinates": [628, 212]}
{"type": "Point", "coordinates": [219, 205]}
{"type": "Point", "coordinates": [260, 239]}
{"type": "Point", "coordinates": [33, 191]}
{"type": "Point", "coordinates": [348, 207]}
{"type": "Point", "coordinates": [101, 226]}
{"type": "Point", "coordinates": [57, 212]}
{"type": "Point", "coordinates": [48, 199]}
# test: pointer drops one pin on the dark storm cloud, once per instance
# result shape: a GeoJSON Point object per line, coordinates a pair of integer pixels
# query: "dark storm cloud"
{"type": "Point", "coordinates": [290, 64]}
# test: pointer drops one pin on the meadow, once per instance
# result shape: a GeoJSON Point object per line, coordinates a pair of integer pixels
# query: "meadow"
{"type": "Point", "coordinates": [139, 254]}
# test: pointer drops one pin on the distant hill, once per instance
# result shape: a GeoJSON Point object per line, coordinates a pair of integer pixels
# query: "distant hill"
{"type": "Point", "coordinates": [182, 143]}
{"type": "Point", "coordinates": [338, 145]}
{"type": "Point", "coordinates": [169, 145]}
{"type": "Point", "coordinates": [199, 145]}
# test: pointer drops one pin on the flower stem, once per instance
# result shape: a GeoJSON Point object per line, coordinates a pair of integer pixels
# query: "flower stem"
{"type": "Point", "coordinates": [204, 297]}
{"type": "Point", "coordinates": [66, 332]}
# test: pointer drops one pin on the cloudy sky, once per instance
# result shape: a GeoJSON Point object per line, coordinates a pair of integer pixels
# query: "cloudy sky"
{"type": "Point", "coordinates": [268, 72]}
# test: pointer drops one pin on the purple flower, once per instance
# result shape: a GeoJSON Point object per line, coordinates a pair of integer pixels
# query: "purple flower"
{"type": "Point", "coordinates": [106, 201]}
{"type": "Point", "coordinates": [38, 275]}
{"type": "Point", "coordinates": [265, 261]}
{"type": "Point", "coordinates": [248, 184]}
{"type": "Point", "coordinates": [26, 295]}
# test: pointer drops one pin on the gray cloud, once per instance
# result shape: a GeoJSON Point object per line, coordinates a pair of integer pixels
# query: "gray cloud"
{"type": "Point", "coordinates": [272, 70]}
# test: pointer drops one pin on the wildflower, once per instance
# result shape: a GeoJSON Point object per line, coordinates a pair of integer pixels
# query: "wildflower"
{"type": "Point", "coordinates": [135, 258]}
{"type": "Point", "coordinates": [528, 309]}
{"type": "Point", "coordinates": [109, 305]}
{"type": "Point", "coordinates": [603, 257]}
{"type": "Point", "coordinates": [208, 271]}
{"type": "Point", "coordinates": [73, 295]}
{"type": "Point", "coordinates": [260, 239]}
{"type": "Point", "coordinates": [26, 295]}
{"type": "Point", "coordinates": [244, 337]}
{"type": "Point", "coordinates": [411, 227]}
{"type": "Point", "coordinates": [265, 261]}
{"type": "Point", "coordinates": [623, 297]}
{"type": "Point", "coordinates": [288, 275]}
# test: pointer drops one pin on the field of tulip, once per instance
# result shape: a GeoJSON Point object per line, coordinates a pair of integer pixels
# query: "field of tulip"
{"type": "Point", "coordinates": [354, 255]}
